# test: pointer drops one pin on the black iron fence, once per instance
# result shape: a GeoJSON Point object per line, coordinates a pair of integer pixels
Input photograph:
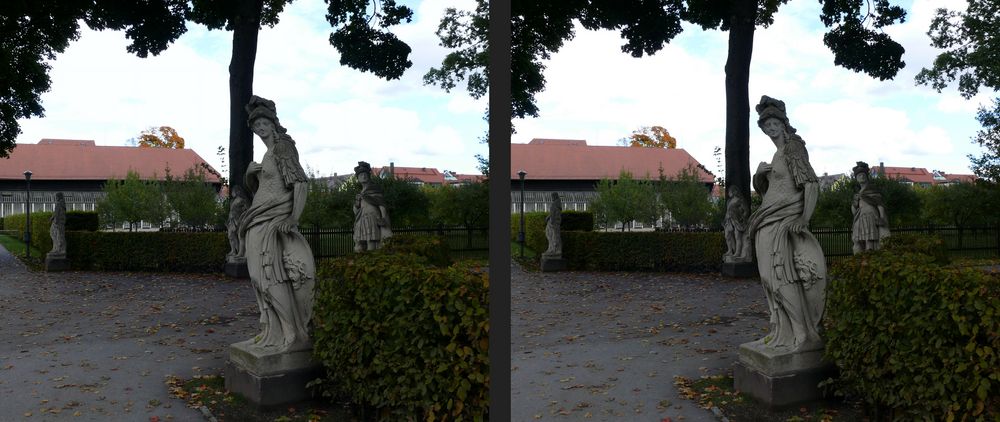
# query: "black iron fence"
{"type": "Point", "coordinates": [962, 242]}
{"type": "Point", "coordinates": [464, 242]}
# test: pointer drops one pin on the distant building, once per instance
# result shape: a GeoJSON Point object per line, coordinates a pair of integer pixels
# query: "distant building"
{"type": "Point", "coordinates": [80, 168]}
{"type": "Point", "coordinates": [922, 177]}
{"type": "Point", "coordinates": [417, 175]}
{"type": "Point", "coordinates": [573, 169]}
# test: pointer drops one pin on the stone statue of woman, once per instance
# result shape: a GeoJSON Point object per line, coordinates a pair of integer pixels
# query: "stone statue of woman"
{"type": "Point", "coordinates": [371, 219]}
{"type": "Point", "coordinates": [553, 225]}
{"type": "Point", "coordinates": [57, 229]}
{"type": "Point", "coordinates": [280, 262]}
{"type": "Point", "coordinates": [871, 224]}
{"type": "Point", "coordinates": [735, 227]}
{"type": "Point", "coordinates": [237, 207]}
{"type": "Point", "coordinates": [789, 258]}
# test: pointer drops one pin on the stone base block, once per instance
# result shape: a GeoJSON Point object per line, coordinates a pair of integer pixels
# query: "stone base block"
{"type": "Point", "coordinates": [56, 263]}
{"type": "Point", "coordinates": [237, 269]}
{"type": "Point", "coordinates": [780, 378]}
{"type": "Point", "coordinates": [270, 379]}
{"type": "Point", "coordinates": [553, 264]}
{"type": "Point", "coordinates": [739, 269]}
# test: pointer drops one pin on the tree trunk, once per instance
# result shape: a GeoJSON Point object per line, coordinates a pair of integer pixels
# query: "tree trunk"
{"type": "Point", "coordinates": [246, 24]}
{"type": "Point", "coordinates": [738, 98]}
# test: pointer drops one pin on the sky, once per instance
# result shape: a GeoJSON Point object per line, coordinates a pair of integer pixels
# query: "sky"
{"type": "Point", "coordinates": [597, 93]}
{"type": "Point", "coordinates": [337, 115]}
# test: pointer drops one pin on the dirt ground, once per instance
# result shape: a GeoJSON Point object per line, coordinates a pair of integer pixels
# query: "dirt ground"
{"type": "Point", "coordinates": [86, 346]}
{"type": "Point", "coordinates": [606, 346]}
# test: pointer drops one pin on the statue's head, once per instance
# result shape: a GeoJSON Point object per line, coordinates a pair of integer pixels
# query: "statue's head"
{"type": "Point", "coordinates": [363, 171]}
{"type": "Point", "coordinates": [59, 196]}
{"type": "Point", "coordinates": [861, 172]}
{"type": "Point", "coordinates": [263, 117]}
{"type": "Point", "coordinates": [772, 116]}
{"type": "Point", "coordinates": [555, 197]}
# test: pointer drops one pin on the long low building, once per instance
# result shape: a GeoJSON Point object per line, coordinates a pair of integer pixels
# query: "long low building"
{"type": "Point", "coordinates": [573, 169]}
{"type": "Point", "coordinates": [80, 168]}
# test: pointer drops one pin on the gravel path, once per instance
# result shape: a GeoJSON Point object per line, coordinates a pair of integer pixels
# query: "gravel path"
{"type": "Point", "coordinates": [606, 346]}
{"type": "Point", "coordinates": [87, 346]}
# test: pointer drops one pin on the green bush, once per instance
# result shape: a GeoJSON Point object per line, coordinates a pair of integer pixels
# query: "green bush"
{"type": "Point", "coordinates": [432, 247]}
{"type": "Point", "coordinates": [930, 245]}
{"type": "Point", "coordinates": [577, 221]}
{"type": "Point", "coordinates": [643, 251]}
{"type": "Point", "coordinates": [404, 337]}
{"type": "Point", "coordinates": [82, 221]}
{"type": "Point", "coordinates": [916, 339]}
{"type": "Point", "coordinates": [534, 226]}
{"type": "Point", "coordinates": [40, 237]}
{"type": "Point", "coordinates": [147, 251]}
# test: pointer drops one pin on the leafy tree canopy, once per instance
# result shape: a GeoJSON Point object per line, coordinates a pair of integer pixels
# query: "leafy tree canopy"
{"type": "Point", "coordinates": [162, 137]}
{"type": "Point", "coordinates": [971, 42]}
{"type": "Point", "coordinates": [686, 197]}
{"type": "Point", "coordinates": [649, 137]}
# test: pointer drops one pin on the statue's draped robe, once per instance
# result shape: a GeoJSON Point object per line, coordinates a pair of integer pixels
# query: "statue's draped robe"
{"type": "Point", "coordinates": [281, 265]}
{"type": "Point", "coordinates": [791, 265]}
{"type": "Point", "coordinates": [868, 225]}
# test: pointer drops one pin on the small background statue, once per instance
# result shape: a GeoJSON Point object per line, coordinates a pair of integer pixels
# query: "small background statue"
{"type": "Point", "coordinates": [57, 229]}
{"type": "Point", "coordinates": [737, 241]}
{"type": "Point", "coordinates": [871, 224]}
{"type": "Point", "coordinates": [553, 225]}
{"type": "Point", "coordinates": [237, 207]}
{"type": "Point", "coordinates": [371, 219]}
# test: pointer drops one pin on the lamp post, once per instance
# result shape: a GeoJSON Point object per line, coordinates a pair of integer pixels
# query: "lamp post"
{"type": "Point", "coordinates": [27, 208]}
{"type": "Point", "coordinates": [520, 234]}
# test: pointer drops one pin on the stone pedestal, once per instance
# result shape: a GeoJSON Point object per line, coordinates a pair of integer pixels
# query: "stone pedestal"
{"type": "Point", "coordinates": [739, 269]}
{"type": "Point", "coordinates": [779, 378]}
{"type": "Point", "coordinates": [56, 263]}
{"type": "Point", "coordinates": [270, 379]}
{"type": "Point", "coordinates": [552, 264]}
{"type": "Point", "coordinates": [237, 268]}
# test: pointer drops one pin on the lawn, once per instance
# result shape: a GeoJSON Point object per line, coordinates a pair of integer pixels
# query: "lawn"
{"type": "Point", "coordinates": [17, 247]}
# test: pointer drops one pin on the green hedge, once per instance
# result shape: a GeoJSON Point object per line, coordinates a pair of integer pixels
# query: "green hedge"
{"type": "Point", "coordinates": [433, 247]}
{"type": "Point", "coordinates": [82, 221]}
{"type": "Point", "coordinates": [917, 340]}
{"type": "Point", "coordinates": [40, 237]}
{"type": "Point", "coordinates": [147, 251]}
{"type": "Point", "coordinates": [534, 226]}
{"type": "Point", "coordinates": [405, 337]}
{"type": "Point", "coordinates": [643, 251]}
{"type": "Point", "coordinates": [931, 245]}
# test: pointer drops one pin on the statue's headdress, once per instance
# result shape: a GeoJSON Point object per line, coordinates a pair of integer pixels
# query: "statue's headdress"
{"type": "Point", "coordinates": [363, 167]}
{"type": "Point", "coordinates": [772, 108]}
{"type": "Point", "coordinates": [262, 107]}
{"type": "Point", "coordinates": [861, 168]}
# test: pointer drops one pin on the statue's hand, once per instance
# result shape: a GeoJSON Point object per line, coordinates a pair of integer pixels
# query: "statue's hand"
{"type": "Point", "coordinates": [763, 167]}
{"type": "Point", "coordinates": [254, 167]}
{"type": "Point", "coordinates": [287, 226]}
{"type": "Point", "coordinates": [799, 226]}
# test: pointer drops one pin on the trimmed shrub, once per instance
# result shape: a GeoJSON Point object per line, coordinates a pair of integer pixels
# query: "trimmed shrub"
{"type": "Point", "coordinates": [82, 221]}
{"type": "Point", "coordinates": [432, 247]}
{"type": "Point", "coordinates": [644, 251]}
{"type": "Point", "coordinates": [930, 245]}
{"type": "Point", "coordinates": [147, 251]}
{"type": "Point", "coordinates": [534, 227]}
{"type": "Point", "coordinates": [40, 237]}
{"type": "Point", "coordinates": [915, 339]}
{"type": "Point", "coordinates": [404, 337]}
{"type": "Point", "coordinates": [576, 221]}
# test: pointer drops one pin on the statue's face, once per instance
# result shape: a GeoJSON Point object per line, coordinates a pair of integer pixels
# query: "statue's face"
{"type": "Point", "coordinates": [363, 177]}
{"type": "Point", "coordinates": [262, 127]}
{"type": "Point", "coordinates": [860, 177]}
{"type": "Point", "coordinates": [773, 127]}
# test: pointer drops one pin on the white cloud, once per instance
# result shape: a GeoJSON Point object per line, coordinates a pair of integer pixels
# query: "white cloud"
{"type": "Point", "coordinates": [337, 115]}
{"type": "Point", "coordinates": [597, 93]}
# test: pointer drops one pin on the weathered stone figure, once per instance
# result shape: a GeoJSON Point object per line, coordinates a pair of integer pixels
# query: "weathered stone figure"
{"type": "Point", "coordinates": [871, 224]}
{"type": "Point", "coordinates": [371, 219]}
{"type": "Point", "coordinates": [786, 366]}
{"type": "Point", "coordinates": [57, 229]}
{"type": "Point", "coordinates": [735, 226]}
{"type": "Point", "coordinates": [279, 259]}
{"type": "Point", "coordinates": [239, 206]}
{"type": "Point", "coordinates": [553, 225]}
{"type": "Point", "coordinates": [789, 258]}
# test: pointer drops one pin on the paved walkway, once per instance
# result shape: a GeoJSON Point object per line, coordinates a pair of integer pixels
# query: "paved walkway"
{"type": "Point", "coordinates": [606, 346]}
{"type": "Point", "coordinates": [87, 346]}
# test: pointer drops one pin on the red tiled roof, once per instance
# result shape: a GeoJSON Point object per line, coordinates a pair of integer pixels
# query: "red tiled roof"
{"type": "Point", "coordinates": [912, 174]}
{"type": "Point", "coordinates": [575, 160]}
{"type": "Point", "coordinates": [67, 159]}
{"type": "Point", "coordinates": [423, 174]}
{"type": "Point", "coordinates": [471, 178]}
{"type": "Point", "coordinates": [960, 178]}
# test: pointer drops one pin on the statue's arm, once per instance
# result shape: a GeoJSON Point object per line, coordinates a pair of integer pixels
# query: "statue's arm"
{"type": "Point", "coordinates": [385, 215]}
{"type": "Point", "coordinates": [811, 191]}
{"type": "Point", "coordinates": [883, 216]}
{"type": "Point", "coordinates": [299, 193]}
